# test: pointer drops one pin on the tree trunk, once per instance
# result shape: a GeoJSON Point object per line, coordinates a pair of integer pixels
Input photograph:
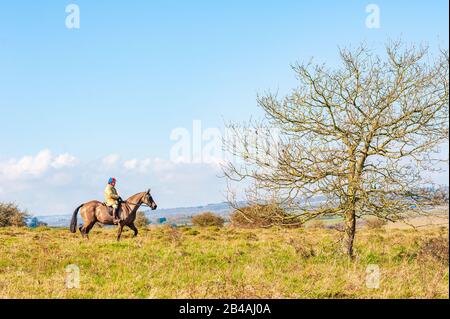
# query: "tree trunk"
{"type": "Point", "coordinates": [349, 235]}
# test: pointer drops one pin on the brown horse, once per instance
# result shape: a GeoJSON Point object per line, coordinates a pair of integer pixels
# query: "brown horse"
{"type": "Point", "coordinates": [95, 211]}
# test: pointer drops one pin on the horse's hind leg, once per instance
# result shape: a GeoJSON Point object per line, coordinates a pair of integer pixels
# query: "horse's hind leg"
{"type": "Point", "coordinates": [88, 229]}
{"type": "Point", "coordinates": [82, 231]}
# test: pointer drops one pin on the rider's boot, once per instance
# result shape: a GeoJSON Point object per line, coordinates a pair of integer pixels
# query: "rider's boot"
{"type": "Point", "coordinates": [116, 218]}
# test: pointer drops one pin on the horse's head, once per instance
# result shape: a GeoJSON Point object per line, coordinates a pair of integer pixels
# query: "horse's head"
{"type": "Point", "coordinates": [148, 200]}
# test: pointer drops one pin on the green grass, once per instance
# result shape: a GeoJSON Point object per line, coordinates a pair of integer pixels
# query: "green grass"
{"type": "Point", "coordinates": [218, 263]}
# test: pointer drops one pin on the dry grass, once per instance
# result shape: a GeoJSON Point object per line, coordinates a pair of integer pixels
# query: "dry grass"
{"type": "Point", "coordinates": [167, 262]}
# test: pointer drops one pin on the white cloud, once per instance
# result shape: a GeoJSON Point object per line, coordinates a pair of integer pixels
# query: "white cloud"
{"type": "Point", "coordinates": [142, 166]}
{"type": "Point", "coordinates": [34, 166]}
{"type": "Point", "coordinates": [131, 164]}
{"type": "Point", "coordinates": [26, 166]}
{"type": "Point", "coordinates": [64, 160]}
{"type": "Point", "coordinates": [110, 160]}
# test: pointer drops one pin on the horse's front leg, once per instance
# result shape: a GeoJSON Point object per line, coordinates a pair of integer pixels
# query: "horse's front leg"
{"type": "Point", "coordinates": [119, 234]}
{"type": "Point", "coordinates": [133, 228]}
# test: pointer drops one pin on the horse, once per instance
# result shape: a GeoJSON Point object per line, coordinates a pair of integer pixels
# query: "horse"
{"type": "Point", "coordinates": [95, 211]}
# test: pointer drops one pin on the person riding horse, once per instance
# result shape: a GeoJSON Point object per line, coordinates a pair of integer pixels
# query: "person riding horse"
{"type": "Point", "coordinates": [94, 211]}
{"type": "Point", "coordinates": [112, 199]}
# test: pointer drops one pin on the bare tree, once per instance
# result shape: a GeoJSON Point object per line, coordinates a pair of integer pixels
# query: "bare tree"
{"type": "Point", "coordinates": [359, 137]}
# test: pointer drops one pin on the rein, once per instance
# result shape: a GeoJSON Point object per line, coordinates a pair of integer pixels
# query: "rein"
{"type": "Point", "coordinates": [136, 204]}
{"type": "Point", "coordinates": [128, 204]}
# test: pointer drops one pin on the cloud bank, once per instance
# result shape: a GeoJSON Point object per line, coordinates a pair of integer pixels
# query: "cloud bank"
{"type": "Point", "coordinates": [51, 184]}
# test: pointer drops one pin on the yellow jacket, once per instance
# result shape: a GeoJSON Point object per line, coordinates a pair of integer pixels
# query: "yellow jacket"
{"type": "Point", "coordinates": [111, 195]}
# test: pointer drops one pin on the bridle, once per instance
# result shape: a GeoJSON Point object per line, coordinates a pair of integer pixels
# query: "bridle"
{"type": "Point", "coordinates": [141, 203]}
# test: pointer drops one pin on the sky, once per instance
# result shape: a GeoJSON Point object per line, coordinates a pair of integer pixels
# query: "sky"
{"type": "Point", "coordinates": [79, 105]}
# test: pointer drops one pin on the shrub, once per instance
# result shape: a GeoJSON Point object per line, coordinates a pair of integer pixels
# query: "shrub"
{"type": "Point", "coordinates": [263, 216]}
{"type": "Point", "coordinates": [304, 251]}
{"type": "Point", "coordinates": [192, 232]}
{"type": "Point", "coordinates": [172, 234]}
{"type": "Point", "coordinates": [141, 220]}
{"type": "Point", "coordinates": [435, 248]}
{"type": "Point", "coordinates": [317, 224]}
{"type": "Point", "coordinates": [11, 215]}
{"type": "Point", "coordinates": [35, 222]}
{"type": "Point", "coordinates": [375, 223]}
{"type": "Point", "coordinates": [338, 226]}
{"type": "Point", "coordinates": [208, 219]}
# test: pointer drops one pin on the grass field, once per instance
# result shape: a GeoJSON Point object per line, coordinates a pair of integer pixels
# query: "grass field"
{"type": "Point", "coordinates": [166, 262]}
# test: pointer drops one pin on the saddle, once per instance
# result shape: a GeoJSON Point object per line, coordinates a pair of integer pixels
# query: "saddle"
{"type": "Point", "coordinates": [110, 209]}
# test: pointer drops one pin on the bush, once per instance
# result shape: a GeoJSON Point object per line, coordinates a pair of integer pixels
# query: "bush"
{"type": "Point", "coordinates": [207, 219]}
{"type": "Point", "coordinates": [11, 215]}
{"type": "Point", "coordinates": [303, 250]}
{"type": "Point", "coordinates": [317, 224]}
{"type": "Point", "coordinates": [36, 223]}
{"type": "Point", "coordinates": [141, 220]}
{"type": "Point", "coordinates": [435, 248]}
{"type": "Point", "coordinates": [375, 223]}
{"type": "Point", "coordinates": [340, 227]}
{"type": "Point", "coordinates": [263, 216]}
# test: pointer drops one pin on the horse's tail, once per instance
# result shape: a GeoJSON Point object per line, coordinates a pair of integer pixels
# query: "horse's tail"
{"type": "Point", "coordinates": [73, 223]}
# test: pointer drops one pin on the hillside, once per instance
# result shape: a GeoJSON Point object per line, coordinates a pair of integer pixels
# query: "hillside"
{"type": "Point", "coordinates": [165, 262]}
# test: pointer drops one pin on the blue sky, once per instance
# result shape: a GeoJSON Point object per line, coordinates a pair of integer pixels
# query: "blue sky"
{"type": "Point", "coordinates": [136, 70]}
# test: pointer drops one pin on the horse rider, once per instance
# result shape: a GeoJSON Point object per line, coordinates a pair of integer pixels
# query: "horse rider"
{"type": "Point", "coordinates": [112, 199]}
